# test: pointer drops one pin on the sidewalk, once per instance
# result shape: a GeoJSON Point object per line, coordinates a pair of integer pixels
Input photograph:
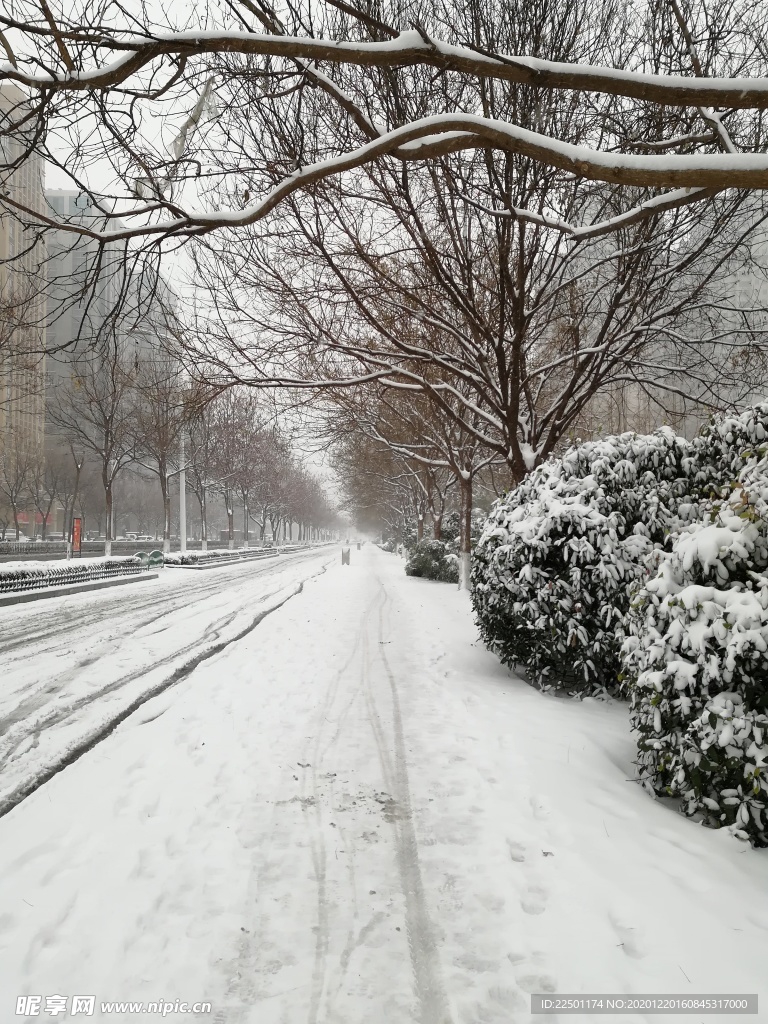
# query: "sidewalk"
{"type": "Point", "coordinates": [356, 815]}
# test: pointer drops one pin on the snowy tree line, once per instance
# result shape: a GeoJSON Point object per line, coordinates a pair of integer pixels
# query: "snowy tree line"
{"type": "Point", "coordinates": [114, 421]}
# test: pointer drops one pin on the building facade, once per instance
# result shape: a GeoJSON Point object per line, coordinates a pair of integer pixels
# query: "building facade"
{"type": "Point", "coordinates": [22, 288]}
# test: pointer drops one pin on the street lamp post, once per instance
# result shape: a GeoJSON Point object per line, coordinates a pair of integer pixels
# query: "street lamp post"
{"type": "Point", "coordinates": [182, 500]}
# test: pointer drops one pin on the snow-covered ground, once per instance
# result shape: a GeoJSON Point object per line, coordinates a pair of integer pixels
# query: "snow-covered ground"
{"type": "Point", "coordinates": [71, 665]}
{"type": "Point", "coordinates": [354, 815]}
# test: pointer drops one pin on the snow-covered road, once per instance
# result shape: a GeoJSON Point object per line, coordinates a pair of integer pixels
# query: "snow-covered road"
{"type": "Point", "coordinates": [72, 665]}
{"type": "Point", "coordinates": [354, 815]}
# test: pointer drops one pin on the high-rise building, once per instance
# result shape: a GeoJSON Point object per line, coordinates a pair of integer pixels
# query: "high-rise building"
{"type": "Point", "coordinates": [100, 298]}
{"type": "Point", "coordinates": [22, 287]}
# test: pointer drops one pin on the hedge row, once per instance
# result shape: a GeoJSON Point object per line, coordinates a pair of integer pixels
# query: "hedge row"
{"type": "Point", "coordinates": [214, 554]}
{"type": "Point", "coordinates": [18, 577]}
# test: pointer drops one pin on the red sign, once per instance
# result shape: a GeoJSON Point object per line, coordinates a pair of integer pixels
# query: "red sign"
{"type": "Point", "coordinates": [77, 531]}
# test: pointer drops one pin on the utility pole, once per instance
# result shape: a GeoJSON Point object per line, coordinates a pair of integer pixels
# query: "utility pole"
{"type": "Point", "coordinates": [182, 500]}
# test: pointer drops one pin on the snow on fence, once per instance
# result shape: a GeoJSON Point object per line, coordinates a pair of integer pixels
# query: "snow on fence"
{"type": "Point", "coordinates": [15, 576]}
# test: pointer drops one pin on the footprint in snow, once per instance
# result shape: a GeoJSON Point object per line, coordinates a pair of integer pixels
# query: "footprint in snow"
{"type": "Point", "coordinates": [534, 900]}
{"type": "Point", "coordinates": [537, 983]}
{"type": "Point", "coordinates": [516, 851]}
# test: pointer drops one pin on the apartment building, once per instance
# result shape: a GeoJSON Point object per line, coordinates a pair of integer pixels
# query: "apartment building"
{"type": "Point", "coordinates": [22, 288]}
{"type": "Point", "coordinates": [101, 300]}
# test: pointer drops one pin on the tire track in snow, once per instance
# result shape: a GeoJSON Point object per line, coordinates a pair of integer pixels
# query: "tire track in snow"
{"type": "Point", "coordinates": [105, 729]}
{"type": "Point", "coordinates": [317, 840]}
{"type": "Point", "coordinates": [301, 819]}
{"type": "Point", "coordinates": [243, 987]}
{"type": "Point", "coordinates": [61, 714]}
{"type": "Point", "coordinates": [197, 585]}
{"type": "Point", "coordinates": [17, 635]}
{"type": "Point", "coordinates": [422, 945]}
{"type": "Point", "coordinates": [171, 604]}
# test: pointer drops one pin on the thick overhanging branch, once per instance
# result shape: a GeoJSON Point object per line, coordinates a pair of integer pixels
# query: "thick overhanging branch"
{"type": "Point", "coordinates": [441, 135]}
{"type": "Point", "coordinates": [407, 49]}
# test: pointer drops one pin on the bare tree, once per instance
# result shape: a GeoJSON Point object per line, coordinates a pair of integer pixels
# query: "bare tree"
{"type": "Point", "coordinates": [46, 485]}
{"type": "Point", "coordinates": [202, 459]}
{"type": "Point", "coordinates": [158, 423]}
{"type": "Point", "coordinates": [94, 412]}
{"type": "Point", "coordinates": [16, 467]}
{"type": "Point", "coordinates": [433, 453]}
{"type": "Point", "coordinates": [506, 208]}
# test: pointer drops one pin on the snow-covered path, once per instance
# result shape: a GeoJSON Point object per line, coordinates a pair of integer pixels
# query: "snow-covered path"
{"type": "Point", "coordinates": [354, 815]}
{"type": "Point", "coordinates": [72, 664]}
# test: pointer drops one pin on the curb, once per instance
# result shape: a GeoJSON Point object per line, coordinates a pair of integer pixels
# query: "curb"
{"type": "Point", "coordinates": [73, 588]}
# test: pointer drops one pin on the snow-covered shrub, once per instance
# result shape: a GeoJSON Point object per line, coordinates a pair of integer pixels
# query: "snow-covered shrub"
{"type": "Point", "coordinates": [451, 528]}
{"type": "Point", "coordinates": [553, 568]}
{"type": "Point", "coordinates": [410, 536]}
{"type": "Point", "coordinates": [431, 560]}
{"type": "Point", "coordinates": [696, 658]}
{"type": "Point", "coordinates": [731, 446]}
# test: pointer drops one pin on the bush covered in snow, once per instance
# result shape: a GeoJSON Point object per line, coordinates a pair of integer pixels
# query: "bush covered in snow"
{"type": "Point", "coordinates": [730, 447]}
{"type": "Point", "coordinates": [431, 560]}
{"type": "Point", "coordinates": [553, 568]}
{"type": "Point", "coordinates": [451, 529]}
{"type": "Point", "coordinates": [696, 659]}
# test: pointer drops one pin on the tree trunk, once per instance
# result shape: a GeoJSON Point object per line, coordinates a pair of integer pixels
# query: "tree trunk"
{"type": "Point", "coordinates": [203, 522]}
{"type": "Point", "coordinates": [16, 520]}
{"type": "Point", "coordinates": [465, 531]}
{"type": "Point", "coordinates": [437, 527]}
{"type": "Point", "coordinates": [246, 525]}
{"type": "Point", "coordinates": [420, 528]}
